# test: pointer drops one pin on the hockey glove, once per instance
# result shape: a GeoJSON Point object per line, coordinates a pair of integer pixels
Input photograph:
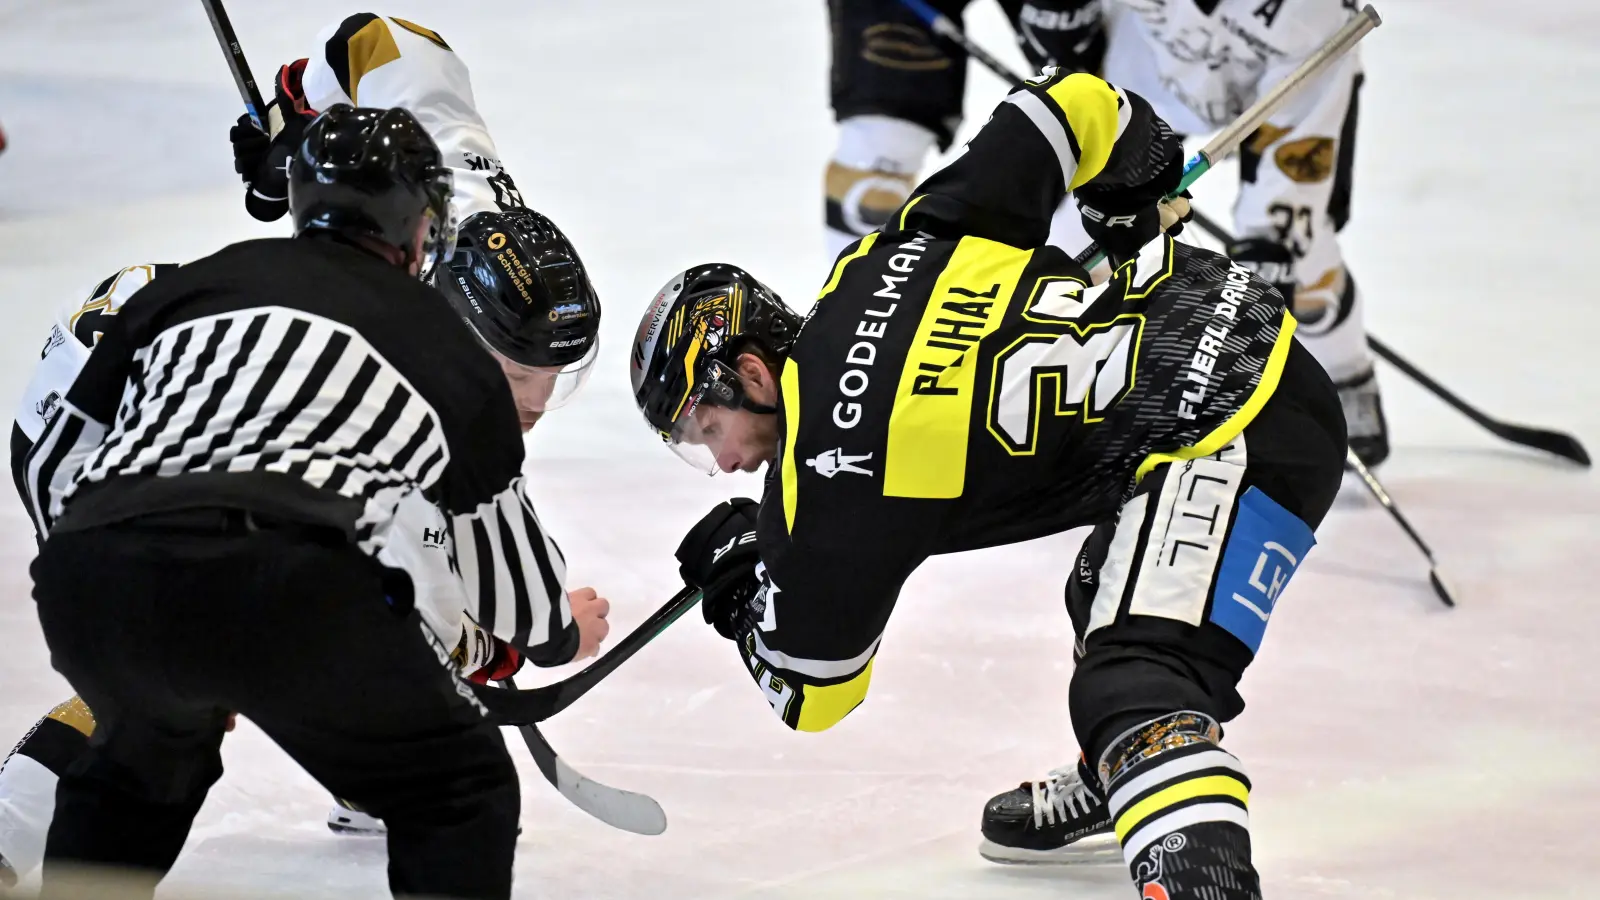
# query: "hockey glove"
{"type": "Point", "coordinates": [482, 657]}
{"type": "Point", "coordinates": [719, 557]}
{"type": "Point", "coordinates": [262, 160]}
{"type": "Point", "coordinates": [1271, 261]}
{"type": "Point", "coordinates": [1123, 218]}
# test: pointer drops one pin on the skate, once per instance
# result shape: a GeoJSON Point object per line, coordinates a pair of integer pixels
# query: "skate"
{"type": "Point", "coordinates": [345, 818]}
{"type": "Point", "coordinates": [8, 875]}
{"type": "Point", "coordinates": [1363, 416]}
{"type": "Point", "coordinates": [1056, 821]}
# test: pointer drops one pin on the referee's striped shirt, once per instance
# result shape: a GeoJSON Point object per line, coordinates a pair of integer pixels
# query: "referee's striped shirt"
{"type": "Point", "coordinates": [354, 389]}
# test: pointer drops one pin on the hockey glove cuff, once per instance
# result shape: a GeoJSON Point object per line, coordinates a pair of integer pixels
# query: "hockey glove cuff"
{"type": "Point", "coordinates": [1123, 218]}
{"type": "Point", "coordinates": [1271, 261]}
{"type": "Point", "coordinates": [719, 557]}
{"type": "Point", "coordinates": [262, 160]}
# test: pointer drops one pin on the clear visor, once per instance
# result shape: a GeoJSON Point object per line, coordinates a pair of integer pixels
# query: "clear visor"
{"type": "Point", "coordinates": [693, 444]}
{"type": "Point", "coordinates": [543, 388]}
{"type": "Point", "coordinates": [439, 242]}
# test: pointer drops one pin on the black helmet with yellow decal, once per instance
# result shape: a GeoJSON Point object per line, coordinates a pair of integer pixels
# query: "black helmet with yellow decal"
{"type": "Point", "coordinates": [685, 351]}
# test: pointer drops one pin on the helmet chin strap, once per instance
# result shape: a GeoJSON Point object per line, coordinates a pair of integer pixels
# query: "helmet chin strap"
{"type": "Point", "coordinates": [758, 408]}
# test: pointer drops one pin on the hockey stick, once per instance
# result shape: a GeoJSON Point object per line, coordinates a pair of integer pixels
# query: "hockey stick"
{"type": "Point", "coordinates": [1554, 442]}
{"type": "Point", "coordinates": [941, 24]}
{"type": "Point", "coordinates": [618, 808]}
{"type": "Point", "coordinates": [1434, 578]}
{"type": "Point", "coordinates": [1228, 140]}
{"type": "Point", "coordinates": [240, 68]}
{"type": "Point", "coordinates": [509, 705]}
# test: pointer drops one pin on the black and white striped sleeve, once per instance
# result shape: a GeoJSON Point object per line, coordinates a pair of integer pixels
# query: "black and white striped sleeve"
{"type": "Point", "coordinates": [511, 570]}
{"type": "Point", "coordinates": [513, 574]}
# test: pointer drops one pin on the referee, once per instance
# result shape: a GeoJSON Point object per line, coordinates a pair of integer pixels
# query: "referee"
{"type": "Point", "coordinates": [215, 490]}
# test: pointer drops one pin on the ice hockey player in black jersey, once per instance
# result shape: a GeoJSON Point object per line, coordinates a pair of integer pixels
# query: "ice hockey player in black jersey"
{"type": "Point", "coordinates": [960, 385]}
{"type": "Point", "coordinates": [218, 489]}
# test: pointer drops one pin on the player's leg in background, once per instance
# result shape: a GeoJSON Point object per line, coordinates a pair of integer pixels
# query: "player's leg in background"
{"type": "Point", "coordinates": [1065, 33]}
{"type": "Point", "coordinates": [896, 91]}
{"type": "Point", "coordinates": [1072, 35]}
{"type": "Point", "coordinates": [28, 785]}
{"type": "Point", "coordinates": [1294, 198]}
{"type": "Point", "coordinates": [1180, 604]}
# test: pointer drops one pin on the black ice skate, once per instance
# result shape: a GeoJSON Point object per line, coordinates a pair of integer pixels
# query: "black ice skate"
{"type": "Point", "coordinates": [1059, 820]}
{"type": "Point", "coordinates": [8, 875]}
{"type": "Point", "coordinates": [1363, 416]}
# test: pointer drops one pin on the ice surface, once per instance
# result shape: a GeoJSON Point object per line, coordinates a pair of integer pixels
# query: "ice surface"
{"type": "Point", "coordinates": [1398, 750]}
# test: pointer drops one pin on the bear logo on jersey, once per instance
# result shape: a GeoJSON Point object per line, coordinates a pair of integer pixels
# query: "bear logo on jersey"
{"type": "Point", "coordinates": [1306, 161]}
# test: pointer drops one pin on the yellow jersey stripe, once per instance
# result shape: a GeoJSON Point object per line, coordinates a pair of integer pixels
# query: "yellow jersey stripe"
{"type": "Point", "coordinates": [1209, 786]}
{"type": "Point", "coordinates": [907, 208]}
{"type": "Point", "coordinates": [861, 250]}
{"type": "Point", "coordinates": [371, 47]}
{"type": "Point", "coordinates": [789, 383]}
{"type": "Point", "coordinates": [1090, 106]}
{"type": "Point", "coordinates": [426, 33]}
{"type": "Point", "coordinates": [75, 713]}
{"type": "Point", "coordinates": [929, 424]}
{"type": "Point", "coordinates": [823, 706]}
{"type": "Point", "coordinates": [1230, 429]}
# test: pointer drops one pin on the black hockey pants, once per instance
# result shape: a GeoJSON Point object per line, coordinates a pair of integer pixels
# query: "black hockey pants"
{"type": "Point", "coordinates": [166, 623]}
{"type": "Point", "coordinates": [1171, 600]}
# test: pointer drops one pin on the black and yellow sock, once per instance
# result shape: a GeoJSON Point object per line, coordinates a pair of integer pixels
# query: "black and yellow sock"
{"type": "Point", "coordinates": [1179, 806]}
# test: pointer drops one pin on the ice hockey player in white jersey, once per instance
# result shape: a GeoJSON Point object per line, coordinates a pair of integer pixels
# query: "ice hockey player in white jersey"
{"type": "Point", "coordinates": [546, 348]}
{"type": "Point", "coordinates": [897, 92]}
{"type": "Point", "coordinates": [371, 60]}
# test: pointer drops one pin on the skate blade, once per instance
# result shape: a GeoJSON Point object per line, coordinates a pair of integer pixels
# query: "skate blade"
{"type": "Point", "coordinates": [1094, 850]}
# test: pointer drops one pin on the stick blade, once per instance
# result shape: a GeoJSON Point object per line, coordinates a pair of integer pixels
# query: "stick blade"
{"type": "Point", "coordinates": [1445, 595]}
{"type": "Point", "coordinates": [1563, 445]}
{"type": "Point", "coordinates": [621, 809]}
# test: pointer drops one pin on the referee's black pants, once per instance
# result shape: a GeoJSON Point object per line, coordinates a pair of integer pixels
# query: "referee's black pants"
{"type": "Point", "coordinates": [163, 629]}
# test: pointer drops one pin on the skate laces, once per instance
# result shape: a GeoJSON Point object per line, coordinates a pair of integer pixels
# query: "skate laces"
{"type": "Point", "coordinates": [1060, 796]}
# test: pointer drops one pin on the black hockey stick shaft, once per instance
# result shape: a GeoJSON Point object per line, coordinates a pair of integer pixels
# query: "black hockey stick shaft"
{"type": "Point", "coordinates": [945, 27]}
{"type": "Point", "coordinates": [236, 61]}
{"type": "Point", "coordinates": [512, 706]}
{"type": "Point", "coordinates": [1554, 442]}
{"type": "Point", "coordinates": [1354, 463]}
{"type": "Point", "coordinates": [1563, 445]}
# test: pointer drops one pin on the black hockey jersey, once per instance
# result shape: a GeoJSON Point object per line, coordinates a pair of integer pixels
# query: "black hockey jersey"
{"type": "Point", "coordinates": [958, 385]}
{"type": "Point", "coordinates": [306, 379]}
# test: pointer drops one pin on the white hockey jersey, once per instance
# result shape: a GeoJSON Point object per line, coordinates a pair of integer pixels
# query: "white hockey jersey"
{"type": "Point", "coordinates": [370, 60]}
{"type": "Point", "coordinates": [418, 543]}
{"type": "Point", "coordinates": [1200, 63]}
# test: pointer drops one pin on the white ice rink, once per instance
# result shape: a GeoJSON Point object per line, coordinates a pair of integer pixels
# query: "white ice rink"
{"type": "Point", "coordinates": [1398, 750]}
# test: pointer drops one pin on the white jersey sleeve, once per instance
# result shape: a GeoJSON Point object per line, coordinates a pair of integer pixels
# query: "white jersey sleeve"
{"type": "Point", "coordinates": [370, 60]}
{"type": "Point", "coordinates": [77, 326]}
{"type": "Point", "coordinates": [419, 545]}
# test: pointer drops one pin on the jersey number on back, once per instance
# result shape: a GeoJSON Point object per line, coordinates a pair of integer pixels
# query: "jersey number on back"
{"type": "Point", "coordinates": [1063, 367]}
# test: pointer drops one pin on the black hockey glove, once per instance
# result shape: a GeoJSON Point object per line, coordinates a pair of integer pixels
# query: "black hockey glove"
{"type": "Point", "coordinates": [719, 557]}
{"type": "Point", "coordinates": [1271, 261]}
{"type": "Point", "coordinates": [263, 161]}
{"type": "Point", "coordinates": [1123, 218]}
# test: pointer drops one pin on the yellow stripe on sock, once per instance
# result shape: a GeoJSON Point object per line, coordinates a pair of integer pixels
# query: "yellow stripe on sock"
{"type": "Point", "coordinates": [1209, 786]}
